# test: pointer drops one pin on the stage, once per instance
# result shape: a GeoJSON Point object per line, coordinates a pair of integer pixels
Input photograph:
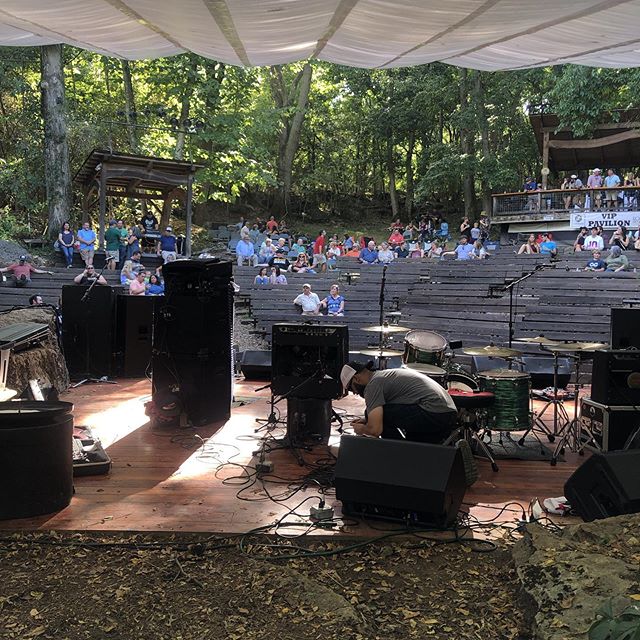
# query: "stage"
{"type": "Point", "coordinates": [188, 480]}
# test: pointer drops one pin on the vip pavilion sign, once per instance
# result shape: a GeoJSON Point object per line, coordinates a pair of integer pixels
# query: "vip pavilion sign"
{"type": "Point", "coordinates": [605, 219]}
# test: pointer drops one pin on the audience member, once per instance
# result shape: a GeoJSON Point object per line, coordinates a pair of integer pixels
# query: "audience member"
{"type": "Point", "coordinates": [35, 300]}
{"type": "Point", "coordinates": [478, 251]}
{"type": "Point", "coordinates": [612, 183]}
{"type": "Point", "coordinates": [137, 286]}
{"type": "Point", "coordinates": [596, 263]}
{"type": "Point", "coordinates": [112, 240]}
{"type": "Point", "coordinates": [319, 258]}
{"type": "Point", "coordinates": [530, 246]}
{"type": "Point", "coordinates": [245, 233]}
{"type": "Point", "coordinates": [262, 277]}
{"type": "Point", "coordinates": [272, 225]}
{"type": "Point", "coordinates": [593, 241]}
{"type": "Point", "coordinates": [465, 228]}
{"type": "Point", "coordinates": [594, 181]}
{"type": "Point", "coordinates": [245, 252]}
{"type": "Point", "coordinates": [396, 225]}
{"type": "Point", "coordinates": [402, 251]}
{"type": "Point", "coordinates": [348, 242]}
{"type": "Point", "coordinates": [254, 234]}
{"type": "Point", "coordinates": [267, 251]}
{"type": "Point", "coordinates": [87, 241]}
{"type": "Point", "coordinates": [156, 286]}
{"type": "Point", "coordinates": [308, 300]}
{"type": "Point", "coordinates": [21, 271]}
{"type": "Point", "coordinates": [301, 264]}
{"type": "Point", "coordinates": [333, 253]}
{"type": "Point", "coordinates": [462, 251]}
{"type": "Point", "coordinates": [89, 276]}
{"type": "Point", "coordinates": [123, 245]}
{"type": "Point", "coordinates": [334, 302]}
{"type": "Point", "coordinates": [409, 232]}
{"type": "Point", "coordinates": [385, 255]}
{"type": "Point", "coordinates": [280, 260]}
{"type": "Point", "coordinates": [636, 239]}
{"type": "Point", "coordinates": [619, 238]}
{"type": "Point", "coordinates": [579, 241]}
{"type": "Point", "coordinates": [532, 201]}
{"type": "Point", "coordinates": [369, 255]}
{"type": "Point", "coordinates": [299, 247]}
{"type": "Point", "coordinates": [130, 269]}
{"type": "Point", "coordinates": [167, 246]}
{"type": "Point", "coordinates": [548, 247]}
{"type": "Point", "coordinates": [396, 238]}
{"type": "Point", "coordinates": [66, 240]}
{"type": "Point", "coordinates": [132, 242]}
{"type": "Point", "coordinates": [616, 261]}
{"type": "Point", "coordinates": [436, 249]}
{"type": "Point", "coordinates": [149, 222]}
{"type": "Point", "coordinates": [475, 232]}
{"type": "Point", "coordinates": [277, 277]}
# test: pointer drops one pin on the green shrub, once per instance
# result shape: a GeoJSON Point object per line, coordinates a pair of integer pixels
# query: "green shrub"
{"type": "Point", "coordinates": [609, 625]}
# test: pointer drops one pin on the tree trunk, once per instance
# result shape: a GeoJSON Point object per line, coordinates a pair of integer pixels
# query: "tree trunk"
{"type": "Point", "coordinates": [291, 127]}
{"type": "Point", "coordinates": [131, 115]}
{"type": "Point", "coordinates": [408, 205]}
{"type": "Point", "coordinates": [56, 148]}
{"type": "Point", "coordinates": [466, 146]}
{"type": "Point", "coordinates": [484, 136]}
{"type": "Point", "coordinates": [185, 105]}
{"type": "Point", "coordinates": [391, 173]}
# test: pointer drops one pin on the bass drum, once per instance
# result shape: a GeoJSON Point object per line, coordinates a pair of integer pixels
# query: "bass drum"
{"type": "Point", "coordinates": [461, 382]}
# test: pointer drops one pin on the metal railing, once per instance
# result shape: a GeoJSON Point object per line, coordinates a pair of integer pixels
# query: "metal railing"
{"type": "Point", "coordinates": [565, 201]}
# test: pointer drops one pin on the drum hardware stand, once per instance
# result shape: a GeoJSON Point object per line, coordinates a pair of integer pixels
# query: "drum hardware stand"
{"type": "Point", "coordinates": [571, 428]}
{"type": "Point", "coordinates": [382, 285]}
{"type": "Point", "coordinates": [470, 423]}
{"type": "Point", "coordinates": [559, 411]}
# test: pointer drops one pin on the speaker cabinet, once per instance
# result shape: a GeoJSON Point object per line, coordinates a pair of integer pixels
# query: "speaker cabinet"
{"type": "Point", "coordinates": [624, 328]}
{"type": "Point", "coordinates": [192, 337]}
{"type": "Point", "coordinates": [307, 359]}
{"type": "Point", "coordinates": [256, 365]}
{"type": "Point", "coordinates": [398, 480]}
{"type": "Point", "coordinates": [134, 325]}
{"type": "Point", "coordinates": [605, 485]}
{"type": "Point", "coordinates": [87, 330]}
{"type": "Point", "coordinates": [615, 377]}
{"type": "Point", "coordinates": [541, 370]}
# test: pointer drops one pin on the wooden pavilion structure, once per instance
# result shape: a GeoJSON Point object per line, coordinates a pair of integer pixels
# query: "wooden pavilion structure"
{"type": "Point", "coordinates": [147, 178]}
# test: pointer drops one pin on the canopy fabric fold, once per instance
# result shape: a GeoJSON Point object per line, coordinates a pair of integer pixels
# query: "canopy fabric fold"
{"type": "Point", "coordinates": [478, 34]}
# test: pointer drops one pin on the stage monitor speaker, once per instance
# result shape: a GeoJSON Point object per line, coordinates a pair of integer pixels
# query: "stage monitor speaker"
{"type": "Point", "coordinates": [256, 365]}
{"type": "Point", "coordinates": [134, 324]}
{"type": "Point", "coordinates": [192, 336]}
{"type": "Point", "coordinates": [87, 330]}
{"type": "Point", "coordinates": [624, 328]}
{"type": "Point", "coordinates": [399, 480]}
{"type": "Point", "coordinates": [540, 368]}
{"type": "Point", "coordinates": [615, 377]}
{"type": "Point", "coordinates": [307, 359]}
{"type": "Point", "coordinates": [605, 485]}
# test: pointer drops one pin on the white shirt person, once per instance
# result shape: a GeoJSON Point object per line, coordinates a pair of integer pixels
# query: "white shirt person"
{"type": "Point", "coordinates": [309, 301]}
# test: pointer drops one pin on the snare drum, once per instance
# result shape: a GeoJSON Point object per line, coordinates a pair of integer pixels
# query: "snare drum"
{"type": "Point", "coordinates": [510, 412]}
{"type": "Point", "coordinates": [426, 347]}
{"type": "Point", "coordinates": [430, 370]}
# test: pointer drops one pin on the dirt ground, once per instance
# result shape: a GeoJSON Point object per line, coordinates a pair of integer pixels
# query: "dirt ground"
{"type": "Point", "coordinates": [200, 588]}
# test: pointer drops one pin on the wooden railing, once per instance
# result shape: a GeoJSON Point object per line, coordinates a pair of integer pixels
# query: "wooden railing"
{"type": "Point", "coordinates": [551, 204]}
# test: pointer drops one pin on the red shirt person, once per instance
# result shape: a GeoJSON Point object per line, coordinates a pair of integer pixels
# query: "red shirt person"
{"type": "Point", "coordinates": [272, 225]}
{"type": "Point", "coordinates": [22, 271]}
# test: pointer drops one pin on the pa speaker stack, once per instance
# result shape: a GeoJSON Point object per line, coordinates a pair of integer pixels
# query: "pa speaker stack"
{"type": "Point", "coordinates": [192, 364]}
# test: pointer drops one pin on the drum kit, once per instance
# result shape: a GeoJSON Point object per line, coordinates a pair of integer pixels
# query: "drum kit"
{"type": "Point", "coordinates": [428, 352]}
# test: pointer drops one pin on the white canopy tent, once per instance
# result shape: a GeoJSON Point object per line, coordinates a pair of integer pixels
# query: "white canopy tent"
{"type": "Point", "coordinates": [479, 34]}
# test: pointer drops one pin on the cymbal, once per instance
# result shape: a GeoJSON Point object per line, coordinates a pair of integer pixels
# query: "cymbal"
{"type": "Point", "coordinates": [386, 328]}
{"type": "Point", "coordinates": [393, 314]}
{"type": "Point", "coordinates": [537, 340]}
{"type": "Point", "coordinates": [381, 353]}
{"type": "Point", "coordinates": [492, 352]}
{"type": "Point", "coordinates": [427, 369]}
{"type": "Point", "coordinates": [563, 347]}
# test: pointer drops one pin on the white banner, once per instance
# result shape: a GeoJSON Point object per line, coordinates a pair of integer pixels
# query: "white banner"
{"type": "Point", "coordinates": [606, 219]}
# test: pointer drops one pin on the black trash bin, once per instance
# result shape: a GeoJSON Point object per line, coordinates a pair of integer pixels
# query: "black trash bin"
{"type": "Point", "coordinates": [36, 458]}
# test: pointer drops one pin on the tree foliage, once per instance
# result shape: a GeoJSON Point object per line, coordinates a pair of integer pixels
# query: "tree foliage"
{"type": "Point", "coordinates": [404, 138]}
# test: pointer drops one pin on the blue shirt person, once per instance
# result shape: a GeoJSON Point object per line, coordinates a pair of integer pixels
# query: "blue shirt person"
{"type": "Point", "coordinates": [334, 302]}
{"type": "Point", "coordinates": [369, 253]}
{"type": "Point", "coordinates": [548, 247]}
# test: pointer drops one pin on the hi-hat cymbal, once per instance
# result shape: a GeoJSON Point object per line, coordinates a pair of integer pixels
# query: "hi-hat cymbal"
{"type": "Point", "coordinates": [381, 353]}
{"type": "Point", "coordinates": [537, 340]}
{"type": "Point", "coordinates": [564, 347]}
{"type": "Point", "coordinates": [493, 352]}
{"type": "Point", "coordinates": [386, 328]}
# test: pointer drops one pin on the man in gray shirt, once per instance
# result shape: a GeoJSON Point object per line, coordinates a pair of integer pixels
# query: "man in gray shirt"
{"type": "Point", "coordinates": [400, 403]}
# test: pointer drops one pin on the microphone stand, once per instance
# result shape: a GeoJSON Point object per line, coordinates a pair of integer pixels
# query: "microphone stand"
{"type": "Point", "coordinates": [382, 285]}
{"type": "Point", "coordinates": [511, 286]}
{"type": "Point", "coordinates": [87, 293]}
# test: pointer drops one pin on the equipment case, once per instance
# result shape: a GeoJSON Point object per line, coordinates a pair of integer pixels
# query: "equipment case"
{"type": "Point", "coordinates": [606, 427]}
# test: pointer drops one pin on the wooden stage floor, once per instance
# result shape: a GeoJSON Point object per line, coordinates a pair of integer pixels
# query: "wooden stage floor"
{"type": "Point", "coordinates": [167, 480]}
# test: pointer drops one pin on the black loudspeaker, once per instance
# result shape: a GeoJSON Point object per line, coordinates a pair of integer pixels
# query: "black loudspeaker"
{"type": "Point", "coordinates": [307, 359]}
{"type": "Point", "coordinates": [605, 485]}
{"type": "Point", "coordinates": [398, 480]}
{"type": "Point", "coordinates": [192, 335]}
{"type": "Point", "coordinates": [87, 330]}
{"type": "Point", "coordinates": [256, 365]}
{"type": "Point", "coordinates": [615, 377]}
{"type": "Point", "coordinates": [541, 370]}
{"type": "Point", "coordinates": [624, 328]}
{"type": "Point", "coordinates": [134, 324]}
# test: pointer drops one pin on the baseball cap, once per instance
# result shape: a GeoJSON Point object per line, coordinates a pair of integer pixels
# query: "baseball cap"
{"type": "Point", "coordinates": [346, 375]}
{"type": "Point", "coordinates": [596, 169]}
{"type": "Point", "coordinates": [22, 258]}
{"type": "Point", "coordinates": [574, 176]}
{"type": "Point", "coordinates": [169, 228]}
{"type": "Point", "coordinates": [112, 222]}
{"type": "Point", "coordinates": [306, 284]}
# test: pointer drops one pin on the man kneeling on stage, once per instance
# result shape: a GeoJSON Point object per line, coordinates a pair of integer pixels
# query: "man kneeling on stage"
{"type": "Point", "coordinates": [404, 404]}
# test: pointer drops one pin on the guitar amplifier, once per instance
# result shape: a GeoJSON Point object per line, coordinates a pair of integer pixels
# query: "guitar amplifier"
{"type": "Point", "coordinates": [608, 428]}
{"type": "Point", "coordinates": [615, 377]}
